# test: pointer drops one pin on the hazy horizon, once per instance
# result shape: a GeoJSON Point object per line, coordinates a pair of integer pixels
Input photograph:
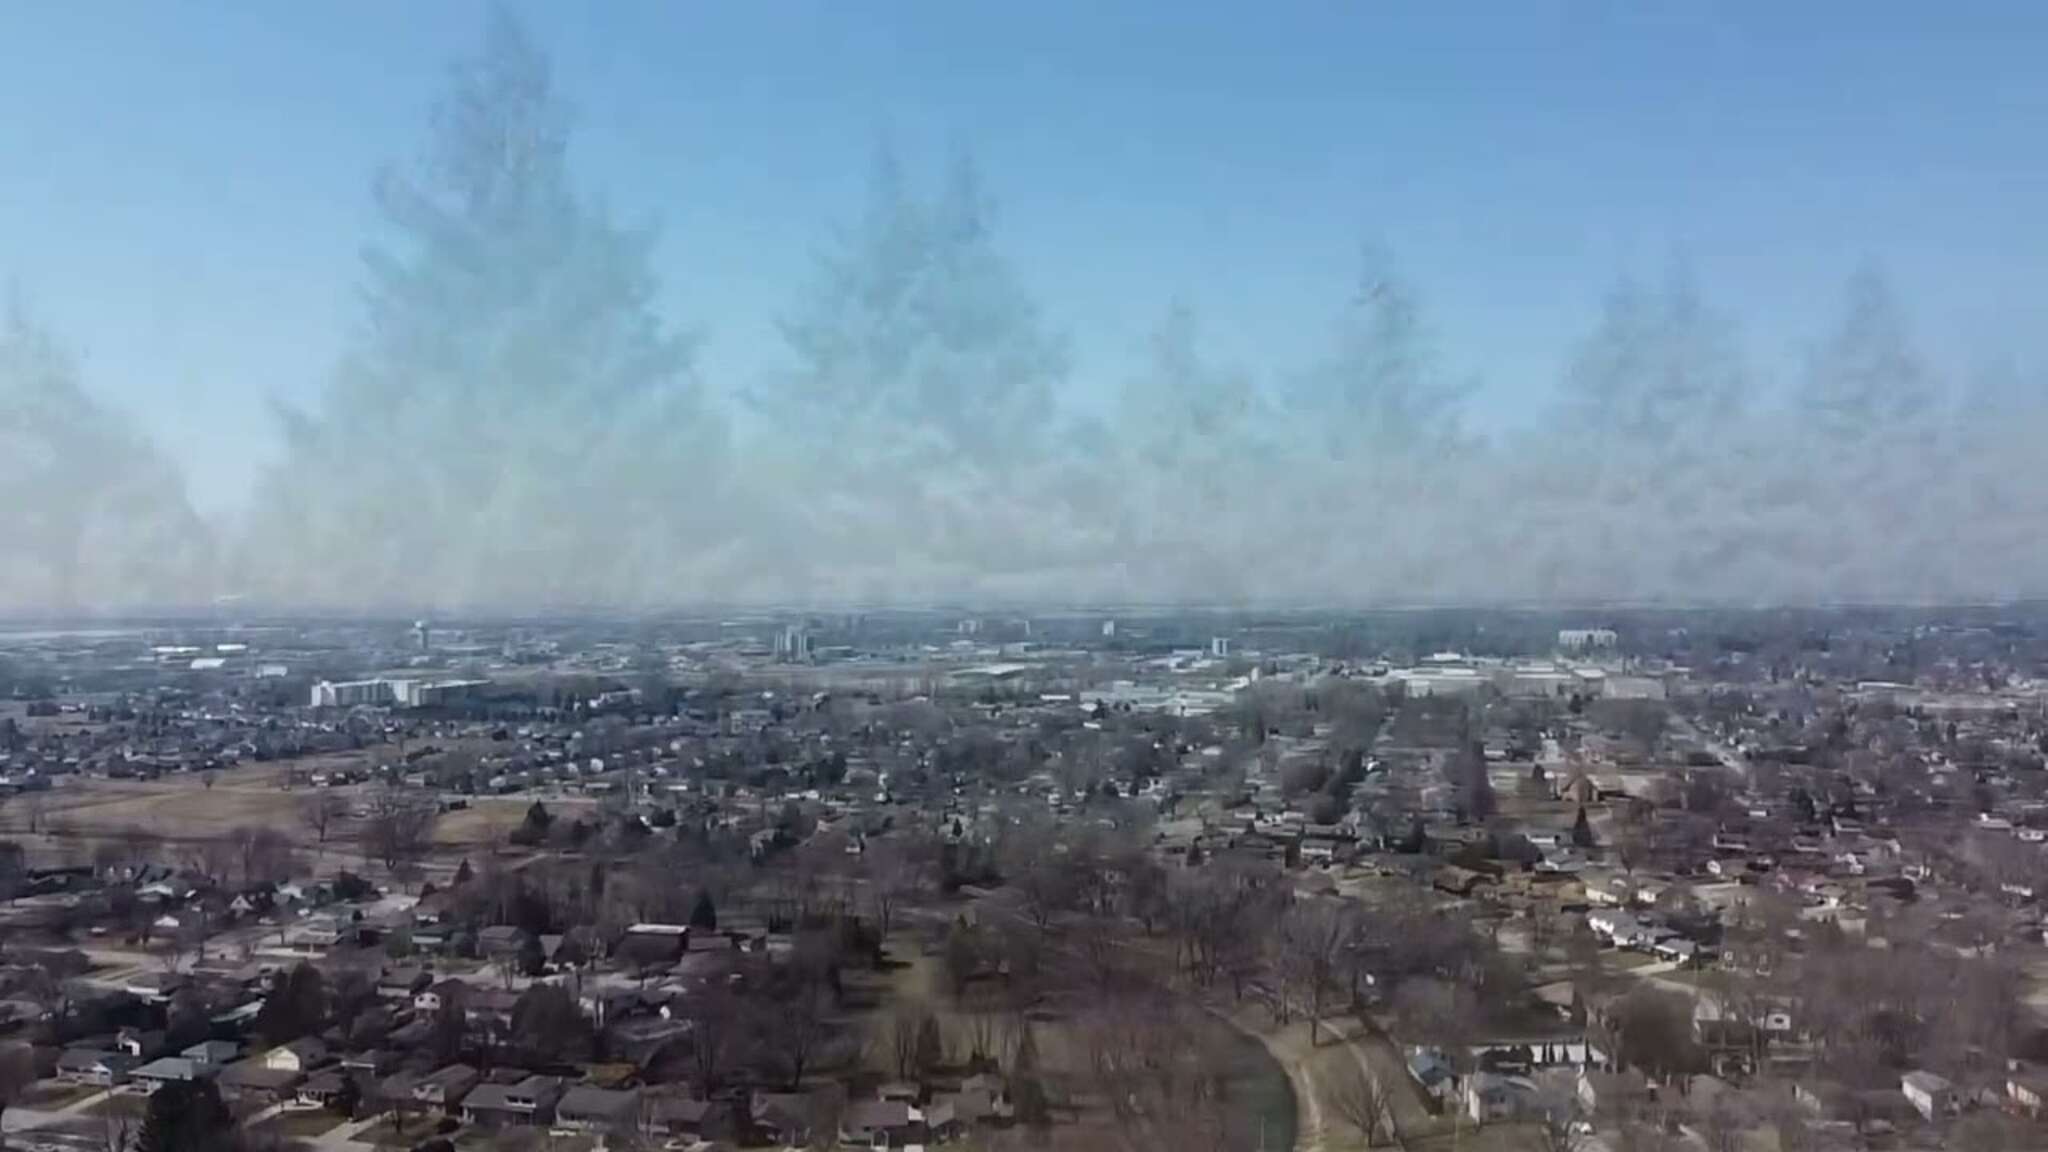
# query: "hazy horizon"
{"type": "Point", "coordinates": [1570, 303]}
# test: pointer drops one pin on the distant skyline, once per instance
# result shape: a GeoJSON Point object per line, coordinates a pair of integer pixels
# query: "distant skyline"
{"type": "Point", "coordinates": [188, 185]}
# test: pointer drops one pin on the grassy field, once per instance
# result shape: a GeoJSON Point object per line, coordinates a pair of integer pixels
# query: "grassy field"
{"type": "Point", "coordinates": [172, 807]}
{"type": "Point", "coordinates": [71, 820]}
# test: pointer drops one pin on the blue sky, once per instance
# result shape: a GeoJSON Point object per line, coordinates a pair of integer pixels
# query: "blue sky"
{"type": "Point", "coordinates": [184, 187]}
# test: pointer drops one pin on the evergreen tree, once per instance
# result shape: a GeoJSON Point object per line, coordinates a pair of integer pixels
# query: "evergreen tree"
{"type": "Point", "coordinates": [186, 1116]}
{"type": "Point", "coordinates": [704, 914]}
{"type": "Point", "coordinates": [547, 1020]}
{"type": "Point", "coordinates": [533, 830]}
{"type": "Point", "coordinates": [1582, 830]}
{"type": "Point", "coordinates": [295, 1007]}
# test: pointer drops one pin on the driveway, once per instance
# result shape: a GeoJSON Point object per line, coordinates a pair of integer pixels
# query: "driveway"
{"type": "Point", "coordinates": [342, 1137]}
{"type": "Point", "coordinates": [20, 1119]}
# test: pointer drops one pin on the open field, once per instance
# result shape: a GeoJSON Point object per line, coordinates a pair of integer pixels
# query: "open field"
{"type": "Point", "coordinates": [70, 821]}
{"type": "Point", "coordinates": [172, 807]}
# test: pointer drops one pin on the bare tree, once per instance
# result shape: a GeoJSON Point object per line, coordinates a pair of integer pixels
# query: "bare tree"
{"type": "Point", "coordinates": [264, 853]}
{"type": "Point", "coordinates": [320, 811]}
{"type": "Point", "coordinates": [400, 827]}
{"type": "Point", "coordinates": [187, 943]}
{"type": "Point", "coordinates": [791, 1027]}
{"type": "Point", "coordinates": [1554, 1124]}
{"type": "Point", "coordinates": [1313, 938]}
{"type": "Point", "coordinates": [892, 877]}
{"type": "Point", "coordinates": [904, 1030]}
{"type": "Point", "coordinates": [212, 857]}
{"type": "Point", "coordinates": [717, 1035]}
{"type": "Point", "coordinates": [1356, 1097]}
{"type": "Point", "coordinates": [981, 1034]}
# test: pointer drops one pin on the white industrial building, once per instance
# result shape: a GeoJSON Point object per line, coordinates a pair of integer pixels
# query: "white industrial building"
{"type": "Point", "coordinates": [401, 693]}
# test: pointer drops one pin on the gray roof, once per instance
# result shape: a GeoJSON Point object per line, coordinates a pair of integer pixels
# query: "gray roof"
{"type": "Point", "coordinates": [598, 1103]}
{"type": "Point", "coordinates": [172, 1068]}
{"type": "Point", "coordinates": [83, 1058]}
{"type": "Point", "coordinates": [212, 1051]}
{"type": "Point", "coordinates": [540, 1090]}
{"type": "Point", "coordinates": [876, 1116]}
{"type": "Point", "coordinates": [253, 1074]}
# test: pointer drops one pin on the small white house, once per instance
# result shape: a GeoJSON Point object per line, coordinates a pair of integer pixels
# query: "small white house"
{"type": "Point", "coordinates": [1929, 1094]}
{"type": "Point", "coordinates": [301, 1055]}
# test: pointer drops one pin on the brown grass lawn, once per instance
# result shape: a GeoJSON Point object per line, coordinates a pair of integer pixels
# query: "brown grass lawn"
{"type": "Point", "coordinates": [50, 1095]}
{"type": "Point", "coordinates": [296, 1125]}
{"type": "Point", "coordinates": [79, 814]}
{"type": "Point", "coordinates": [486, 822]}
{"type": "Point", "coordinates": [130, 1106]}
{"type": "Point", "coordinates": [174, 807]}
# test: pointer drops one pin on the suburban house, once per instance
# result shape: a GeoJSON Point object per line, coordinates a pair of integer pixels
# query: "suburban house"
{"type": "Point", "coordinates": [250, 1080]}
{"type": "Point", "coordinates": [2028, 1091]}
{"type": "Point", "coordinates": [686, 1118]}
{"type": "Point", "coordinates": [369, 1065]}
{"type": "Point", "coordinates": [212, 1052]}
{"type": "Point", "coordinates": [322, 1089]}
{"type": "Point", "coordinates": [499, 940]}
{"type": "Point", "coordinates": [154, 987]}
{"type": "Point", "coordinates": [1490, 1097]}
{"type": "Point", "coordinates": [95, 1067]}
{"type": "Point", "coordinates": [301, 1055]}
{"type": "Point", "coordinates": [169, 1070]}
{"type": "Point", "coordinates": [982, 1099]}
{"type": "Point", "coordinates": [430, 998]}
{"type": "Point", "coordinates": [881, 1124]}
{"type": "Point", "coordinates": [530, 1101]}
{"type": "Point", "coordinates": [586, 1109]}
{"type": "Point", "coordinates": [314, 937]}
{"type": "Point", "coordinates": [1930, 1095]}
{"type": "Point", "coordinates": [782, 1117]}
{"type": "Point", "coordinates": [140, 1043]}
{"type": "Point", "coordinates": [445, 1087]}
{"type": "Point", "coordinates": [1433, 1074]}
{"type": "Point", "coordinates": [402, 983]}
